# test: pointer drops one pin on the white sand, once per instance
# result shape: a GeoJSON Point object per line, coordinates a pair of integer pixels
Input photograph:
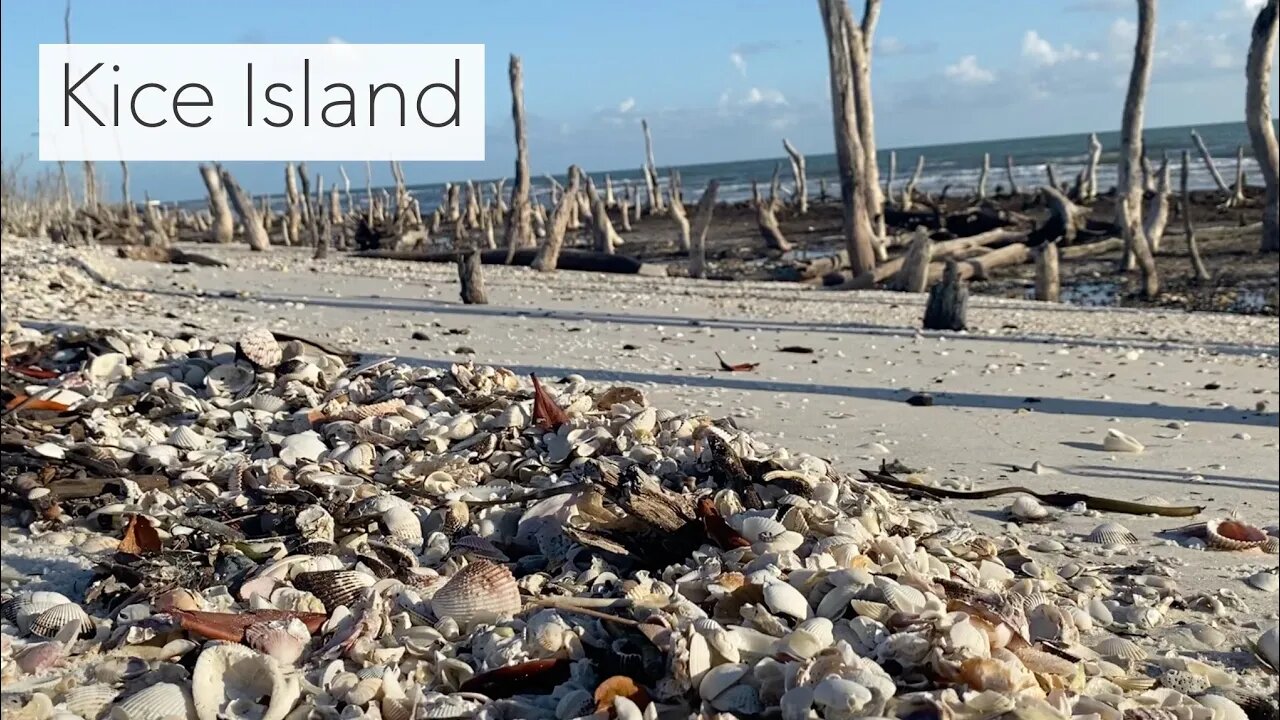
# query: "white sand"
{"type": "Point", "coordinates": [1143, 372]}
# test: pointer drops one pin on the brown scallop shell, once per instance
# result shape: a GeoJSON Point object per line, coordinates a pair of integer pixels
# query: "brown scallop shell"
{"type": "Point", "coordinates": [334, 587]}
{"type": "Point", "coordinates": [260, 348]}
{"type": "Point", "coordinates": [480, 592]}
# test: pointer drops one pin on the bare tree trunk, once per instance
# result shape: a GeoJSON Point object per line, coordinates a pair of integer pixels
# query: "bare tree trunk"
{"type": "Point", "coordinates": [861, 59]}
{"type": "Point", "coordinates": [701, 224]}
{"type": "Point", "coordinates": [610, 200]}
{"type": "Point", "coordinates": [601, 227]}
{"type": "Point", "coordinates": [948, 301]}
{"type": "Point", "coordinates": [224, 226]}
{"type": "Point", "coordinates": [321, 220]}
{"type": "Point", "coordinates": [909, 191]}
{"type": "Point", "coordinates": [981, 193]}
{"type": "Point", "coordinates": [1157, 214]}
{"type": "Point", "coordinates": [624, 208]}
{"type": "Point", "coordinates": [489, 217]}
{"type": "Point", "coordinates": [1008, 168]}
{"type": "Point", "coordinates": [402, 193]}
{"type": "Point", "coordinates": [1237, 195]}
{"type": "Point", "coordinates": [842, 36]}
{"type": "Point", "coordinates": [64, 187]}
{"type": "Point", "coordinates": [1148, 173]}
{"type": "Point", "coordinates": [336, 222]}
{"type": "Point", "coordinates": [500, 191]}
{"type": "Point", "coordinates": [346, 188]}
{"type": "Point", "coordinates": [124, 190]}
{"type": "Point", "coordinates": [888, 182]}
{"type": "Point", "coordinates": [254, 233]}
{"type": "Point", "coordinates": [539, 220]}
{"type": "Point", "coordinates": [1129, 185]}
{"type": "Point", "coordinates": [1211, 166]}
{"type": "Point", "coordinates": [453, 210]}
{"type": "Point", "coordinates": [1071, 216]}
{"type": "Point", "coordinates": [1089, 189]}
{"type": "Point", "coordinates": [91, 195]}
{"type": "Point", "coordinates": [678, 213]}
{"type": "Point", "coordinates": [471, 277]}
{"type": "Point", "coordinates": [767, 219]}
{"type": "Point", "coordinates": [156, 235]}
{"type": "Point", "coordinates": [293, 220]}
{"type": "Point", "coordinates": [471, 207]}
{"type": "Point", "coordinates": [914, 274]}
{"type": "Point", "coordinates": [1048, 283]}
{"type": "Point", "coordinates": [823, 196]}
{"type": "Point", "coordinates": [308, 212]}
{"type": "Point", "coordinates": [651, 172]}
{"type": "Point", "coordinates": [1193, 248]}
{"type": "Point", "coordinates": [1052, 176]}
{"type": "Point", "coordinates": [519, 228]}
{"type": "Point", "coordinates": [636, 206]}
{"type": "Point", "coordinates": [549, 254]}
{"type": "Point", "coordinates": [1257, 111]}
{"type": "Point", "coordinates": [368, 191]}
{"type": "Point", "coordinates": [800, 196]}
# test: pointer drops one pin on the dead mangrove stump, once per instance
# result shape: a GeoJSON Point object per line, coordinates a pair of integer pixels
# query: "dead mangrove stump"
{"type": "Point", "coordinates": [471, 277]}
{"type": "Point", "coordinates": [948, 302]}
{"type": "Point", "coordinates": [1048, 283]}
{"type": "Point", "coordinates": [701, 224]}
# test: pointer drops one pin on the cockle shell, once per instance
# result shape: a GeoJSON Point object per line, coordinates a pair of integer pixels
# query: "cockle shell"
{"type": "Point", "coordinates": [1120, 650]}
{"type": "Point", "coordinates": [160, 701]}
{"type": "Point", "coordinates": [1116, 441]}
{"type": "Point", "coordinates": [478, 593]}
{"type": "Point", "coordinates": [1229, 534]}
{"type": "Point", "coordinates": [48, 623]}
{"type": "Point", "coordinates": [1112, 534]}
{"type": "Point", "coordinates": [260, 348]}
{"type": "Point", "coordinates": [1027, 509]}
{"type": "Point", "coordinates": [229, 677]}
{"type": "Point", "coordinates": [90, 701]}
{"type": "Point", "coordinates": [334, 588]}
{"type": "Point", "coordinates": [403, 526]}
{"type": "Point", "coordinates": [187, 438]}
{"type": "Point", "coordinates": [808, 639]}
{"type": "Point", "coordinates": [284, 640]}
{"type": "Point", "coordinates": [25, 608]}
{"type": "Point", "coordinates": [455, 515]}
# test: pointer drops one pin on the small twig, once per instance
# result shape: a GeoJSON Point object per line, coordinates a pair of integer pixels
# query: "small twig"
{"type": "Point", "coordinates": [542, 494]}
{"type": "Point", "coordinates": [557, 604]}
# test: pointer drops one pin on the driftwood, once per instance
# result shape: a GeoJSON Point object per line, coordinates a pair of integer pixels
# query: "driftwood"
{"type": "Point", "coordinates": [1237, 188]}
{"type": "Point", "coordinates": [946, 249]}
{"type": "Point", "coordinates": [224, 227]}
{"type": "Point", "coordinates": [610, 198]}
{"type": "Point", "coordinates": [1262, 133]}
{"type": "Point", "coordinates": [471, 277]}
{"type": "Point", "coordinates": [548, 256]}
{"type": "Point", "coordinates": [948, 302]}
{"type": "Point", "coordinates": [570, 259]}
{"type": "Point", "coordinates": [254, 232]}
{"type": "Point", "coordinates": [1129, 188]}
{"type": "Point", "coordinates": [1089, 186]}
{"type": "Point", "coordinates": [1093, 249]}
{"type": "Point", "coordinates": [800, 193]}
{"type": "Point", "coordinates": [624, 208]}
{"type": "Point", "coordinates": [678, 215]}
{"type": "Point", "coordinates": [909, 191]}
{"type": "Point", "coordinates": [293, 215]}
{"type": "Point", "coordinates": [1066, 219]}
{"type": "Point", "coordinates": [1052, 176]}
{"type": "Point", "coordinates": [1048, 284]}
{"type": "Point", "coordinates": [981, 192]}
{"type": "Point", "coordinates": [651, 172]}
{"type": "Point", "coordinates": [606, 239]}
{"type": "Point", "coordinates": [1212, 167]}
{"type": "Point", "coordinates": [1157, 213]}
{"type": "Point", "coordinates": [519, 227]}
{"type": "Point", "coordinates": [888, 181]}
{"type": "Point", "coordinates": [701, 224]}
{"type": "Point", "coordinates": [1013, 182]}
{"type": "Point", "coordinates": [767, 220]}
{"type": "Point", "coordinates": [153, 253]}
{"type": "Point", "coordinates": [981, 267]}
{"type": "Point", "coordinates": [914, 275]}
{"type": "Point", "coordinates": [1198, 269]}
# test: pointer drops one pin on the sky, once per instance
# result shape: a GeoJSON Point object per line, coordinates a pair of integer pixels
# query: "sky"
{"type": "Point", "coordinates": [718, 80]}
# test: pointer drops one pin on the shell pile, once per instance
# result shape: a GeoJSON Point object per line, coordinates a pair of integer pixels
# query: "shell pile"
{"type": "Point", "coordinates": [279, 533]}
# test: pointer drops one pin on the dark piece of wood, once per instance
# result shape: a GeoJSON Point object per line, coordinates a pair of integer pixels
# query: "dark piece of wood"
{"type": "Point", "coordinates": [570, 259]}
{"type": "Point", "coordinates": [727, 471]}
{"type": "Point", "coordinates": [471, 277]}
{"type": "Point", "coordinates": [1048, 285]}
{"type": "Point", "coordinates": [948, 301]}
{"type": "Point", "coordinates": [155, 253]}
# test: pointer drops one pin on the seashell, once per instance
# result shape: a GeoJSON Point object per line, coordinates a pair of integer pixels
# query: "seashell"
{"type": "Point", "coordinates": [1228, 534]}
{"type": "Point", "coordinates": [575, 704]}
{"type": "Point", "coordinates": [1122, 651]}
{"type": "Point", "coordinates": [1187, 683]}
{"type": "Point", "coordinates": [904, 598]}
{"type": "Point", "coordinates": [108, 368]}
{"type": "Point", "coordinates": [268, 403]}
{"type": "Point", "coordinates": [474, 546]}
{"type": "Point", "coordinates": [808, 639]}
{"type": "Point", "coordinates": [280, 639]}
{"type": "Point", "coordinates": [25, 608]}
{"type": "Point", "coordinates": [48, 623]}
{"type": "Point", "coordinates": [480, 592]}
{"type": "Point", "coordinates": [1223, 707]}
{"type": "Point", "coordinates": [740, 701]}
{"type": "Point", "coordinates": [1267, 647]}
{"type": "Point", "coordinates": [187, 438]}
{"type": "Point", "coordinates": [1116, 441]}
{"type": "Point", "coordinates": [229, 380]}
{"type": "Point", "coordinates": [455, 515]}
{"type": "Point", "coordinates": [1112, 534]}
{"type": "Point", "coordinates": [1266, 581]}
{"type": "Point", "coordinates": [720, 678]}
{"type": "Point", "coordinates": [841, 697]}
{"type": "Point", "coordinates": [160, 701]}
{"type": "Point", "coordinates": [334, 588]}
{"type": "Point", "coordinates": [90, 701]}
{"type": "Point", "coordinates": [230, 678]}
{"type": "Point", "coordinates": [403, 526]}
{"type": "Point", "coordinates": [784, 599]}
{"type": "Point", "coordinates": [260, 348]}
{"type": "Point", "coordinates": [305, 445]}
{"type": "Point", "coordinates": [1027, 509]}
{"type": "Point", "coordinates": [879, 612]}
{"type": "Point", "coordinates": [315, 523]}
{"type": "Point", "coordinates": [358, 458]}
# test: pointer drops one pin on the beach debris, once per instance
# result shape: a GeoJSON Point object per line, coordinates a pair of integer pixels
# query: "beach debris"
{"type": "Point", "coordinates": [739, 367]}
{"type": "Point", "coordinates": [920, 400]}
{"type": "Point", "coordinates": [546, 413]}
{"type": "Point", "coordinates": [1116, 441]}
{"type": "Point", "coordinates": [797, 349]}
{"type": "Point", "coordinates": [139, 537]}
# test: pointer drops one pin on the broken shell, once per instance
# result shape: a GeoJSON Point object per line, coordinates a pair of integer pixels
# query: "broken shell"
{"type": "Point", "coordinates": [1266, 581]}
{"type": "Point", "coordinates": [808, 639]}
{"type": "Point", "coordinates": [90, 701]}
{"type": "Point", "coordinates": [1228, 534]}
{"type": "Point", "coordinates": [1267, 647]}
{"type": "Point", "coordinates": [1116, 441]}
{"type": "Point", "coordinates": [1112, 534]}
{"type": "Point", "coordinates": [1223, 707]}
{"type": "Point", "coordinates": [283, 640]}
{"type": "Point", "coordinates": [233, 678]}
{"type": "Point", "coordinates": [229, 380]}
{"type": "Point", "coordinates": [478, 593]}
{"type": "Point", "coordinates": [1028, 509]}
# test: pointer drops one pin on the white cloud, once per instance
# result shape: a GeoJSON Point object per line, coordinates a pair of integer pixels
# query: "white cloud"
{"type": "Point", "coordinates": [1042, 52]}
{"type": "Point", "coordinates": [1122, 35]}
{"type": "Point", "coordinates": [967, 72]}
{"type": "Point", "coordinates": [335, 40]}
{"type": "Point", "coordinates": [764, 96]}
{"type": "Point", "coordinates": [739, 61]}
{"type": "Point", "coordinates": [626, 105]}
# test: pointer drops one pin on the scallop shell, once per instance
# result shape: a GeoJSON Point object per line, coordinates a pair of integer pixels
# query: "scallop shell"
{"type": "Point", "coordinates": [268, 403]}
{"type": "Point", "coordinates": [1112, 534]}
{"type": "Point", "coordinates": [739, 701]}
{"type": "Point", "coordinates": [1120, 650]}
{"type": "Point", "coordinates": [479, 592]}
{"type": "Point", "coordinates": [25, 608]}
{"type": "Point", "coordinates": [454, 516]}
{"type": "Point", "coordinates": [1229, 534]}
{"type": "Point", "coordinates": [808, 639]}
{"type": "Point", "coordinates": [187, 438]}
{"type": "Point", "coordinates": [283, 640]}
{"type": "Point", "coordinates": [260, 348]}
{"type": "Point", "coordinates": [1116, 441]}
{"type": "Point", "coordinates": [155, 702]}
{"type": "Point", "coordinates": [90, 701]}
{"type": "Point", "coordinates": [48, 623]}
{"type": "Point", "coordinates": [1027, 509]}
{"type": "Point", "coordinates": [784, 599]}
{"type": "Point", "coordinates": [334, 588]}
{"type": "Point", "coordinates": [228, 676]}
{"type": "Point", "coordinates": [403, 526]}
{"type": "Point", "coordinates": [476, 547]}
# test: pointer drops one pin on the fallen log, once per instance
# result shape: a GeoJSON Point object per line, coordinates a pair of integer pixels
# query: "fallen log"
{"type": "Point", "coordinates": [584, 260]}
{"type": "Point", "coordinates": [166, 255]}
{"type": "Point", "coordinates": [947, 249]}
{"type": "Point", "coordinates": [1102, 247]}
{"type": "Point", "coordinates": [980, 268]}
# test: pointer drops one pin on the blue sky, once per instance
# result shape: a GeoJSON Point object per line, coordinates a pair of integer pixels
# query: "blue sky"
{"type": "Point", "coordinates": [717, 79]}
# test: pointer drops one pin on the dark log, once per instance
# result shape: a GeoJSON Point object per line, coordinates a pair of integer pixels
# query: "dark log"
{"type": "Point", "coordinates": [948, 302]}
{"type": "Point", "coordinates": [471, 277]}
{"type": "Point", "coordinates": [570, 259]}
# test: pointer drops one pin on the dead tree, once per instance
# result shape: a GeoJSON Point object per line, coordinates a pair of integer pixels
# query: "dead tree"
{"type": "Point", "coordinates": [914, 275]}
{"type": "Point", "coordinates": [336, 220]}
{"type": "Point", "coordinates": [624, 207]}
{"type": "Point", "coordinates": [124, 190]}
{"type": "Point", "coordinates": [767, 219]}
{"type": "Point", "coordinates": [888, 182]}
{"type": "Point", "coordinates": [471, 277]}
{"type": "Point", "coordinates": [346, 188]}
{"type": "Point", "coordinates": [1008, 168]}
{"type": "Point", "coordinates": [1128, 181]}
{"type": "Point", "coordinates": [321, 219]}
{"type": "Point", "coordinates": [948, 301]}
{"type": "Point", "coordinates": [1065, 217]}
{"type": "Point", "coordinates": [1257, 110]}
{"type": "Point", "coordinates": [1052, 176]}
{"type": "Point", "coordinates": [981, 194]}
{"type": "Point", "coordinates": [499, 190]}
{"type": "Point", "coordinates": [656, 204]}
{"type": "Point", "coordinates": [519, 228]}
{"type": "Point", "coordinates": [606, 239]}
{"type": "Point", "coordinates": [155, 233]}
{"type": "Point", "coordinates": [701, 224]}
{"type": "Point", "coordinates": [374, 215]}
{"type": "Point", "coordinates": [909, 191]}
{"type": "Point", "coordinates": [293, 218]}
{"type": "Point", "coordinates": [800, 193]}
{"type": "Point", "coordinates": [309, 212]}
{"type": "Point", "coordinates": [452, 204]}
{"type": "Point", "coordinates": [254, 232]}
{"type": "Point", "coordinates": [842, 38]}
{"type": "Point", "coordinates": [678, 214]}
{"type": "Point", "coordinates": [1089, 186]}
{"type": "Point", "coordinates": [610, 199]}
{"type": "Point", "coordinates": [549, 254]}
{"type": "Point", "coordinates": [1212, 167]}
{"type": "Point", "coordinates": [1048, 282]}
{"type": "Point", "coordinates": [1157, 213]}
{"type": "Point", "coordinates": [223, 228]}
{"type": "Point", "coordinates": [1193, 248]}
{"type": "Point", "coordinates": [471, 207]}
{"type": "Point", "coordinates": [636, 207]}
{"type": "Point", "coordinates": [539, 219]}
{"type": "Point", "coordinates": [1237, 195]}
{"type": "Point", "coordinates": [861, 59]}
{"type": "Point", "coordinates": [64, 187]}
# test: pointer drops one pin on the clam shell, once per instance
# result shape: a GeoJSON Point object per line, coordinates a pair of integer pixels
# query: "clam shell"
{"type": "Point", "coordinates": [187, 438]}
{"type": "Point", "coordinates": [1116, 441]}
{"type": "Point", "coordinates": [786, 600]}
{"type": "Point", "coordinates": [1223, 708]}
{"type": "Point", "coordinates": [283, 640]}
{"type": "Point", "coordinates": [1267, 647]}
{"type": "Point", "coordinates": [155, 702]}
{"type": "Point", "coordinates": [315, 523]}
{"type": "Point", "coordinates": [808, 639]}
{"type": "Point", "coordinates": [334, 588]}
{"type": "Point", "coordinates": [48, 623]}
{"type": "Point", "coordinates": [108, 368]}
{"type": "Point", "coordinates": [720, 678]}
{"type": "Point", "coordinates": [1229, 534]}
{"type": "Point", "coordinates": [229, 380]}
{"type": "Point", "coordinates": [1028, 509]}
{"type": "Point", "coordinates": [479, 592]}
{"type": "Point", "coordinates": [1112, 534]}
{"type": "Point", "coordinates": [1266, 581]}
{"type": "Point", "coordinates": [227, 675]}
{"type": "Point", "coordinates": [260, 348]}
{"type": "Point", "coordinates": [454, 516]}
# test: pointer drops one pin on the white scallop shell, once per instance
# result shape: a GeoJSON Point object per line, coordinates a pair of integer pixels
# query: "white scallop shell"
{"type": "Point", "coordinates": [403, 526]}
{"type": "Point", "coordinates": [1111, 533]}
{"type": "Point", "coordinates": [187, 438]}
{"type": "Point", "coordinates": [786, 600]}
{"type": "Point", "coordinates": [268, 403]}
{"type": "Point", "coordinates": [1267, 646]}
{"type": "Point", "coordinates": [808, 639]}
{"type": "Point", "coordinates": [90, 701]}
{"type": "Point", "coordinates": [306, 445]}
{"type": "Point", "coordinates": [1116, 441]}
{"type": "Point", "coordinates": [1028, 509]}
{"type": "Point", "coordinates": [720, 678]}
{"type": "Point", "coordinates": [48, 623]}
{"type": "Point", "coordinates": [155, 702]}
{"type": "Point", "coordinates": [478, 593]}
{"type": "Point", "coordinates": [1120, 650]}
{"type": "Point", "coordinates": [230, 677]}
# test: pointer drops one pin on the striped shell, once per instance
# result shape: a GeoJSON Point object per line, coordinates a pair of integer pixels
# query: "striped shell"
{"type": "Point", "coordinates": [477, 593]}
{"type": "Point", "coordinates": [456, 515]}
{"type": "Point", "coordinates": [155, 702]}
{"type": "Point", "coordinates": [1228, 534]}
{"type": "Point", "coordinates": [283, 640]}
{"type": "Point", "coordinates": [268, 403]}
{"type": "Point", "coordinates": [187, 438]}
{"type": "Point", "coordinates": [403, 526]}
{"type": "Point", "coordinates": [1122, 651]}
{"type": "Point", "coordinates": [231, 680]}
{"type": "Point", "coordinates": [1112, 534]}
{"type": "Point", "coordinates": [260, 348]}
{"type": "Point", "coordinates": [334, 588]}
{"type": "Point", "coordinates": [90, 701]}
{"type": "Point", "coordinates": [356, 413]}
{"type": "Point", "coordinates": [474, 546]}
{"type": "Point", "coordinates": [48, 623]}
{"type": "Point", "coordinates": [23, 609]}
